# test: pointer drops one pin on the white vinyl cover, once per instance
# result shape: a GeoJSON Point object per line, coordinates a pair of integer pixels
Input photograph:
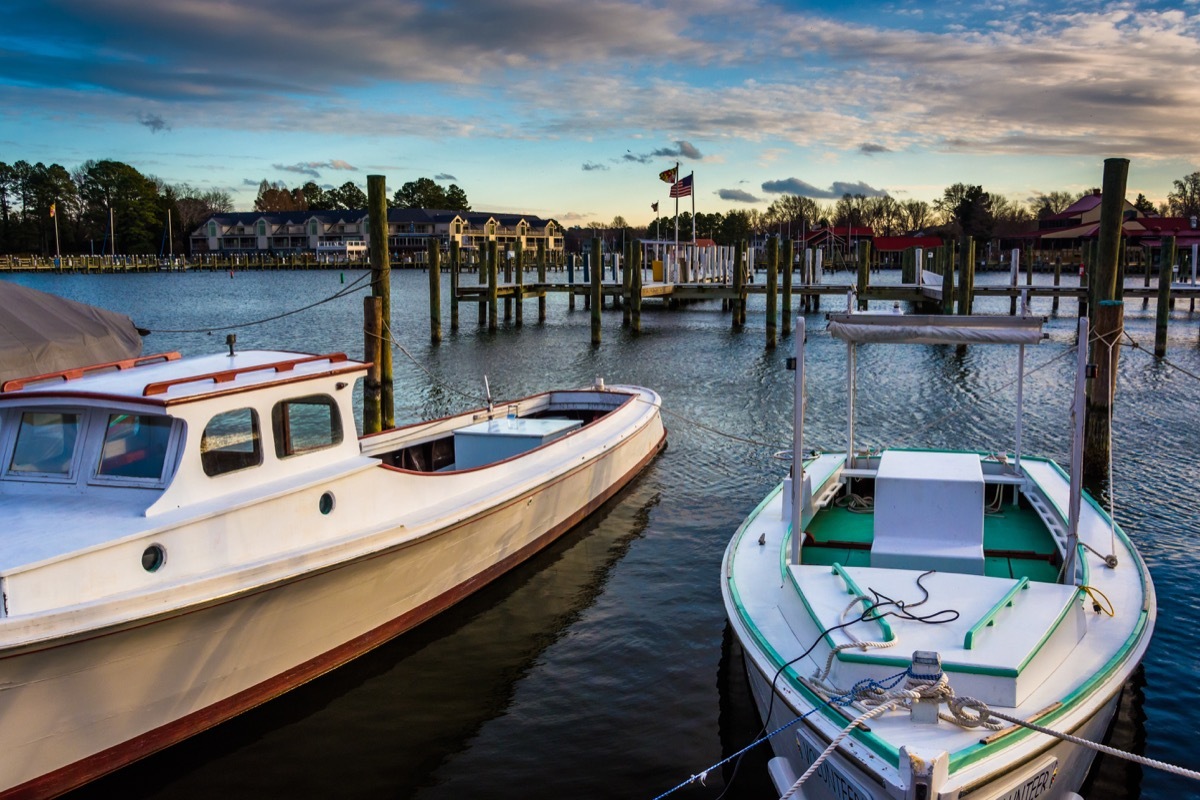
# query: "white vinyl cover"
{"type": "Point", "coordinates": [41, 333]}
{"type": "Point", "coordinates": [934, 329]}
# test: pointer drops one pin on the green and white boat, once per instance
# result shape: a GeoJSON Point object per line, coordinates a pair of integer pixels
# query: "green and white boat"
{"type": "Point", "coordinates": [901, 647]}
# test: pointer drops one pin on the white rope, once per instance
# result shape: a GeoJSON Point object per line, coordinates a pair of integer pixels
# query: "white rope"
{"type": "Point", "coordinates": [1111, 751]}
{"type": "Point", "coordinates": [874, 712]}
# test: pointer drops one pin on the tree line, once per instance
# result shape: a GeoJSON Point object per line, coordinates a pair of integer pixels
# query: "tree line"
{"type": "Point", "coordinates": [102, 201]}
{"type": "Point", "coordinates": [963, 209]}
{"type": "Point", "coordinates": [93, 200]}
{"type": "Point", "coordinates": [421, 193]}
{"type": "Point", "coordinates": [100, 197]}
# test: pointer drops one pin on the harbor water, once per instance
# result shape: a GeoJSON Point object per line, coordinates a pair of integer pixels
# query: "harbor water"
{"type": "Point", "coordinates": [603, 668]}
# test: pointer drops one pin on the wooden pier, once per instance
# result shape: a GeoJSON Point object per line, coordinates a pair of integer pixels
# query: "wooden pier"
{"type": "Point", "coordinates": [626, 282]}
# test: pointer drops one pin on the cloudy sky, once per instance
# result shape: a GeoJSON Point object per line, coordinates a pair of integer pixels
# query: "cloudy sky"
{"type": "Point", "coordinates": [569, 109]}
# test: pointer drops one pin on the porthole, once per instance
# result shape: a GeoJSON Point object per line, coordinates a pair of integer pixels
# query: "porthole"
{"type": "Point", "coordinates": [326, 503]}
{"type": "Point", "coordinates": [153, 557]}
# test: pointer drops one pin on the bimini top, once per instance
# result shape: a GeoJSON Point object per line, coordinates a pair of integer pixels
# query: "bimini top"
{"type": "Point", "coordinates": [166, 378]}
{"type": "Point", "coordinates": [935, 329]}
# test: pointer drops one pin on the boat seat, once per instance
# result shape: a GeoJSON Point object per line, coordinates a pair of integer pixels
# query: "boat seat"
{"type": "Point", "coordinates": [929, 512]}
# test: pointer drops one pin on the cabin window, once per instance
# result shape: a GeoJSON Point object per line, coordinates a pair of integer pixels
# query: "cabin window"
{"type": "Point", "coordinates": [231, 442]}
{"type": "Point", "coordinates": [305, 424]}
{"type": "Point", "coordinates": [135, 446]}
{"type": "Point", "coordinates": [45, 443]}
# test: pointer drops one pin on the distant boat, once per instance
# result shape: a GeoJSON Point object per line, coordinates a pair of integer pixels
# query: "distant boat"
{"type": "Point", "coordinates": [188, 538]}
{"type": "Point", "coordinates": [924, 592]}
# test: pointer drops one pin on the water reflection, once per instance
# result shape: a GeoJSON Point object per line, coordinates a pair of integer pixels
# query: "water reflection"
{"type": "Point", "coordinates": [385, 723]}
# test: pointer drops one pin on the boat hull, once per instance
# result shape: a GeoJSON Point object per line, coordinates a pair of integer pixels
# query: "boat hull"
{"type": "Point", "coordinates": [1065, 764]}
{"type": "Point", "coordinates": [133, 689]}
{"type": "Point", "coordinates": [774, 609]}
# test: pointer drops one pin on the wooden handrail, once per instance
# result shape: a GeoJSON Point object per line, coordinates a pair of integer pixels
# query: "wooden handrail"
{"type": "Point", "coordinates": [78, 372]}
{"type": "Point", "coordinates": [227, 375]}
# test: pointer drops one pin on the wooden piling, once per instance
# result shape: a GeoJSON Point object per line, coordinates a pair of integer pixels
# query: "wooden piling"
{"type": "Point", "coordinates": [1085, 273]}
{"type": "Point", "coordinates": [946, 258]}
{"type": "Point", "coordinates": [434, 256]}
{"type": "Point", "coordinates": [481, 253]}
{"type": "Point", "coordinates": [508, 279]}
{"type": "Point", "coordinates": [1166, 257]}
{"type": "Point", "coordinates": [635, 298]}
{"type": "Point", "coordinates": [493, 276]}
{"type": "Point", "coordinates": [738, 304]}
{"type": "Point", "coordinates": [627, 283]}
{"type": "Point", "coordinates": [541, 270]}
{"type": "Point", "coordinates": [1107, 321]}
{"type": "Point", "coordinates": [571, 282]}
{"type": "Point", "coordinates": [1057, 281]}
{"type": "Point", "coordinates": [966, 274]}
{"type": "Point", "coordinates": [789, 263]}
{"type": "Point", "coordinates": [455, 269]}
{"type": "Point", "coordinates": [381, 287]}
{"type": "Point", "coordinates": [595, 273]}
{"type": "Point", "coordinates": [864, 273]}
{"type": "Point", "coordinates": [372, 345]}
{"type": "Point", "coordinates": [519, 251]}
{"type": "Point", "coordinates": [772, 289]}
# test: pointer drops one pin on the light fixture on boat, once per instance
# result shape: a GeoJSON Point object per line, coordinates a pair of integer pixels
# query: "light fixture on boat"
{"type": "Point", "coordinates": [326, 503]}
{"type": "Point", "coordinates": [231, 340]}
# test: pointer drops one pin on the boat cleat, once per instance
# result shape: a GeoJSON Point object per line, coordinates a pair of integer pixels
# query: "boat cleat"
{"type": "Point", "coordinates": [926, 664]}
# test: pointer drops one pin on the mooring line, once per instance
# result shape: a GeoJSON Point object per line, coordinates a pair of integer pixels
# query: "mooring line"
{"type": "Point", "coordinates": [353, 287]}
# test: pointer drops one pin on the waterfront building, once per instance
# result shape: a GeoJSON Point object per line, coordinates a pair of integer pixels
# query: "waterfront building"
{"type": "Point", "coordinates": [348, 231]}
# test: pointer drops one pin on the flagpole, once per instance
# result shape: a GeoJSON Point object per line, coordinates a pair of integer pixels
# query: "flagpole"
{"type": "Point", "coordinates": [54, 215]}
{"type": "Point", "coordinates": [675, 255]}
{"type": "Point", "coordinates": [692, 176]}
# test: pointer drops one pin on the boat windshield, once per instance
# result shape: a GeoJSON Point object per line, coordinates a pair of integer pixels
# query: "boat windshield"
{"type": "Point", "coordinates": [45, 443]}
{"type": "Point", "coordinates": [135, 446]}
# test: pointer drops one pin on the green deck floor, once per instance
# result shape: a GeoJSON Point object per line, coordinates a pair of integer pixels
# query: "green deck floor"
{"type": "Point", "coordinates": [1015, 542]}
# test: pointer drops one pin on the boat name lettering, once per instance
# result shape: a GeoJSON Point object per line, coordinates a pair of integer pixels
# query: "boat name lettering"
{"type": "Point", "coordinates": [1035, 787]}
{"type": "Point", "coordinates": [839, 785]}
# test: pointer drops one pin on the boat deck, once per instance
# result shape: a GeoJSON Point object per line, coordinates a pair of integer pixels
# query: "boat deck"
{"type": "Point", "coordinates": [1016, 543]}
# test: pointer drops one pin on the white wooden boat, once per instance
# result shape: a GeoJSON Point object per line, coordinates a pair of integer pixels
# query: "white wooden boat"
{"type": "Point", "coordinates": [968, 590]}
{"type": "Point", "coordinates": [187, 538]}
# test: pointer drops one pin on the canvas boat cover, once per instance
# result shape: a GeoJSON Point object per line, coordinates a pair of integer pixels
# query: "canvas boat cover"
{"type": "Point", "coordinates": [935, 329]}
{"type": "Point", "coordinates": [41, 333]}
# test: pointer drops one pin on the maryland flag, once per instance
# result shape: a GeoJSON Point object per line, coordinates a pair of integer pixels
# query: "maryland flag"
{"type": "Point", "coordinates": [52, 206]}
{"type": "Point", "coordinates": [669, 175]}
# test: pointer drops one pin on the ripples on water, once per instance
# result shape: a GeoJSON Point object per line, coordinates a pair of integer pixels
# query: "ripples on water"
{"type": "Point", "coordinates": [602, 668]}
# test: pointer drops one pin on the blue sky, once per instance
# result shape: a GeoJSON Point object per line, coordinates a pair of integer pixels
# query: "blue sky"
{"type": "Point", "coordinates": [570, 109]}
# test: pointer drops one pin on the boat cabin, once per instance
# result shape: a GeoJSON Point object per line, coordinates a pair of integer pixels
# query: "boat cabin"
{"type": "Point", "coordinates": [252, 418]}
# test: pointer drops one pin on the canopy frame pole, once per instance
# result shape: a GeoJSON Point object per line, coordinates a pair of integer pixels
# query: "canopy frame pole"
{"type": "Point", "coordinates": [851, 374]}
{"type": "Point", "coordinates": [1020, 392]}
{"type": "Point", "coordinates": [798, 445]}
{"type": "Point", "coordinates": [1077, 419]}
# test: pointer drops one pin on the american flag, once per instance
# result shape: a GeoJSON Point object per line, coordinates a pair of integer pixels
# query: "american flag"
{"type": "Point", "coordinates": [682, 188]}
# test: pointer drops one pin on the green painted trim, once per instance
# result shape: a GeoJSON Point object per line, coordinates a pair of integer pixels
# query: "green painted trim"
{"type": "Point", "coordinates": [892, 661]}
{"type": "Point", "coordinates": [854, 589]}
{"type": "Point", "coordinates": [978, 752]}
{"type": "Point", "coordinates": [989, 619]}
{"type": "Point", "coordinates": [869, 740]}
